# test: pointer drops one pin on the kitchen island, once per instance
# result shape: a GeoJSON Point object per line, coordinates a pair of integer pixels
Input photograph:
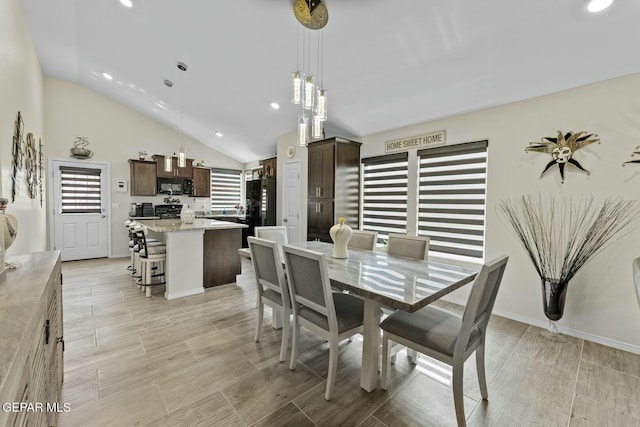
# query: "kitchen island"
{"type": "Point", "coordinates": [199, 255]}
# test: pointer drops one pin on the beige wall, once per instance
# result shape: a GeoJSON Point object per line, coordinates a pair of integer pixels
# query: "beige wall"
{"type": "Point", "coordinates": [20, 90]}
{"type": "Point", "coordinates": [116, 134]}
{"type": "Point", "coordinates": [601, 304]}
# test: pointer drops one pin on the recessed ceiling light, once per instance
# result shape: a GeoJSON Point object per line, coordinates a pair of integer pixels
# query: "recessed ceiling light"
{"type": "Point", "coordinates": [107, 76]}
{"type": "Point", "coordinates": [126, 3]}
{"type": "Point", "coordinates": [598, 5]}
{"type": "Point", "coordinates": [275, 105]}
{"type": "Point", "coordinates": [219, 134]}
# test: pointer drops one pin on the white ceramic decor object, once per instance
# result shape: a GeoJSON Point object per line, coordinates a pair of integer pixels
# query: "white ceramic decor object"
{"type": "Point", "coordinates": [187, 215]}
{"type": "Point", "coordinates": [340, 234]}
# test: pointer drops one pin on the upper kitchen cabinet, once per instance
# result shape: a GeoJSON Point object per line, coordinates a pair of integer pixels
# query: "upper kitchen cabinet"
{"type": "Point", "coordinates": [201, 182]}
{"type": "Point", "coordinates": [333, 186]}
{"type": "Point", "coordinates": [176, 172]}
{"type": "Point", "coordinates": [143, 178]}
{"type": "Point", "coordinates": [269, 167]}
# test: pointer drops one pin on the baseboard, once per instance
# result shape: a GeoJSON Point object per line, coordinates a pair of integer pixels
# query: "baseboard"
{"type": "Point", "coordinates": [572, 332]}
{"type": "Point", "coordinates": [174, 295]}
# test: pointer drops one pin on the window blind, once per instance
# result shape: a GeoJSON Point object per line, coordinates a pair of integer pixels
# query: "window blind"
{"type": "Point", "coordinates": [384, 194]}
{"type": "Point", "coordinates": [80, 188]}
{"type": "Point", "coordinates": [452, 198]}
{"type": "Point", "coordinates": [225, 189]}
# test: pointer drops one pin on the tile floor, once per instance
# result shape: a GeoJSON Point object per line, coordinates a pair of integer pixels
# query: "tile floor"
{"type": "Point", "coordinates": [139, 361]}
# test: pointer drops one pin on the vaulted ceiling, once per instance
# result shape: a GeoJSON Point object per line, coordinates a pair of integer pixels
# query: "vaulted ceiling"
{"type": "Point", "coordinates": [386, 63]}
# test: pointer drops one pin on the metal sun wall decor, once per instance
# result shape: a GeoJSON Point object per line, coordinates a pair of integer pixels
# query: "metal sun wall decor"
{"type": "Point", "coordinates": [562, 149]}
{"type": "Point", "coordinates": [636, 151]}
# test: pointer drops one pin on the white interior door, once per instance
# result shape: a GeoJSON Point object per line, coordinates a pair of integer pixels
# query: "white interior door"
{"type": "Point", "coordinates": [80, 222]}
{"type": "Point", "coordinates": [291, 200]}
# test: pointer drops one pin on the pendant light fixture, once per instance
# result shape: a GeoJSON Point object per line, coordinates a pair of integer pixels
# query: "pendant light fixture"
{"type": "Point", "coordinates": [168, 166]}
{"type": "Point", "coordinates": [307, 93]}
{"type": "Point", "coordinates": [182, 157]}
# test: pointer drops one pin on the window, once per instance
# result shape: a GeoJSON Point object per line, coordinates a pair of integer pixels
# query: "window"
{"type": "Point", "coordinates": [453, 182]}
{"type": "Point", "coordinates": [226, 186]}
{"type": "Point", "coordinates": [384, 194]}
{"type": "Point", "coordinates": [80, 188]}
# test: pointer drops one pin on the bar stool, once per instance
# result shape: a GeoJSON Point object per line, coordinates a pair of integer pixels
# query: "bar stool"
{"type": "Point", "coordinates": [135, 246]}
{"type": "Point", "coordinates": [151, 257]}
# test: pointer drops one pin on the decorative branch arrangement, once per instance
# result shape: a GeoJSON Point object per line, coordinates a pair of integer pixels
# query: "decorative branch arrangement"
{"type": "Point", "coordinates": [562, 149]}
{"type": "Point", "coordinates": [561, 236]}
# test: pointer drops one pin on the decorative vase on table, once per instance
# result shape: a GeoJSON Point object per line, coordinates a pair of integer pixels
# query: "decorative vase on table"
{"type": "Point", "coordinates": [187, 215]}
{"type": "Point", "coordinates": [340, 234]}
{"type": "Point", "coordinates": [554, 293]}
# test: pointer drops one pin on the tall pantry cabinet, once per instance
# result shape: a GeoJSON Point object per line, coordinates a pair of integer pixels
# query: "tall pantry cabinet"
{"type": "Point", "coordinates": [334, 185]}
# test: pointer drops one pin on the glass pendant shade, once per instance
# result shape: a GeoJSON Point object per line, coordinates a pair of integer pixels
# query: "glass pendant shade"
{"type": "Point", "coordinates": [182, 159]}
{"type": "Point", "coordinates": [168, 167]}
{"type": "Point", "coordinates": [321, 110]}
{"type": "Point", "coordinates": [308, 92]}
{"type": "Point", "coordinates": [316, 131]}
{"type": "Point", "coordinates": [297, 90]}
{"type": "Point", "coordinates": [302, 131]}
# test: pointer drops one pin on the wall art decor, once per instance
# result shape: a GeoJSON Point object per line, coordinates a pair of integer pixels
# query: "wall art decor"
{"type": "Point", "coordinates": [80, 150]}
{"type": "Point", "coordinates": [562, 148]}
{"type": "Point", "coordinates": [31, 165]}
{"type": "Point", "coordinates": [40, 168]}
{"type": "Point", "coordinates": [636, 151]}
{"type": "Point", "coordinates": [18, 155]}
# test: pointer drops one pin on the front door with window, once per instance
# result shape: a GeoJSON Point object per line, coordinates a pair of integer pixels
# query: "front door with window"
{"type": "Point", "coordinates": [79, 201]}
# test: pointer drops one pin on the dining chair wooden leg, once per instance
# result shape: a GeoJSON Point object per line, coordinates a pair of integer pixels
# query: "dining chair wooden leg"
{"type": "Point", "coordinates": [294, 345]}
{"type": "Point", "coordinates": [286, 316]}
{"type": "Point", "coordinates": [333, 367]}
{"type": "Point", "coordinates": [413, 355]}
{"type": "Point", "coordinates": [458, 396]}
{"type": "Point", "coordinates": [482, 379]}
{"type": "Point", "coordinates": [259, 322]}
{"type": "Point", "coordinates": [386, 362]}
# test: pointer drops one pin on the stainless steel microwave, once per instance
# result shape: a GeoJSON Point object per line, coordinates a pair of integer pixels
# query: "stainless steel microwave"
{"type": "Point", "coordinates": [175, 186]}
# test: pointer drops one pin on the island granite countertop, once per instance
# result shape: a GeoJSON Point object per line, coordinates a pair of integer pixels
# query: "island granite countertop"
{"type": "Point", "coordinates": [169, 225]}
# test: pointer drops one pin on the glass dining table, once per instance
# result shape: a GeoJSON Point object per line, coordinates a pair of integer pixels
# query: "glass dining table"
{"type": "Point", "coordinates": [393, 282]}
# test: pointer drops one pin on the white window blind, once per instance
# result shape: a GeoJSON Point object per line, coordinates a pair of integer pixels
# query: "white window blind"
{"type": "Point", "coordinates": [225, 189]}
{"type": "Point", "coordinates": [80, 189]}
{"type": "Point", "coordinates": [452, 199]}
{"type": "Point", "coordinates": [384, 194]}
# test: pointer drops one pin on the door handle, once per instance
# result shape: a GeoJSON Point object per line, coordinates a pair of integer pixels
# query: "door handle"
{"type": "Point", "coordinates": [284, 219]}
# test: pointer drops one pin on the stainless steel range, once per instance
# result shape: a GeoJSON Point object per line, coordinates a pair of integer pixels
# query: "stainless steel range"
{"type": "Point", "coordinates": [168, 211]}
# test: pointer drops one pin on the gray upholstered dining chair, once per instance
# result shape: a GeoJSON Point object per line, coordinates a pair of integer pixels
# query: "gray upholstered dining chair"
{"type": "Point", "coordinates": [363, 239]}
{"type": "Point", "coordinates": [275, 233]}
{"type": "Point", "coordinates": [272, 286]}
{"type": "Point", "coordinates": [414, 247]}
{"type": "Point", "coordinates": [446, 336]}
{"type": "Point", "coordinates": [636, 277]}
{"type": "Point", "coordinates": [331, 315]}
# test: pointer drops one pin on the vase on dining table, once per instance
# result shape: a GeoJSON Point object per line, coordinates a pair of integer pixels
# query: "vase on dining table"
{"type": "Point", "coordinates": [554, 293]}
{"type": "Point", "coordinates": [340, 234]}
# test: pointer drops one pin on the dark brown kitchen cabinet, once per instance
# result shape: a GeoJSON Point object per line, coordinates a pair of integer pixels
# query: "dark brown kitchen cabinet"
{"type": "Point", "coordinates": [201, 182]}
{"type": "Point", "coordinates": [333, 185]}
{"type": "Point", "coordinates": [176, 171]}
{"type": "Point", "coordinates": [143, 178]}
